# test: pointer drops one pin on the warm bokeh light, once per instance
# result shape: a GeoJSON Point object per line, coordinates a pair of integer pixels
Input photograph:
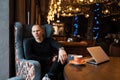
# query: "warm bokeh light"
{"type": "Point", "coordinates": [72, 7]}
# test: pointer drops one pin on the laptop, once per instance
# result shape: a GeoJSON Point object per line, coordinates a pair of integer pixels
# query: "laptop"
{"type": "Point", "coordinates": [98, 55]}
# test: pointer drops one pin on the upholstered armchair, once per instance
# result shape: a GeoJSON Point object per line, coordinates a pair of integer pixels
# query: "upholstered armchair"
{"type": "Point", "coordinates": [26, 69]}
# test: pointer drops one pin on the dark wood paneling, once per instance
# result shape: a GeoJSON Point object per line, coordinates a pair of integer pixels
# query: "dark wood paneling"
{"type": "Point", "coordinates": [11, 38]}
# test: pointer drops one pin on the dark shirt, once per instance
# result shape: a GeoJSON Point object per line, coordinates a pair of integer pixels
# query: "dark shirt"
{"type": "Point", "coordinates": [41, 52]}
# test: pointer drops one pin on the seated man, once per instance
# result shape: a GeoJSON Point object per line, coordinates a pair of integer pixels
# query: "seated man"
{"type": "Point", "coordinates": [40, 49]}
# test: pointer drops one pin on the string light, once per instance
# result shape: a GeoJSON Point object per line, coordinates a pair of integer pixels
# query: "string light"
{"type": "Point", "coordinates": [70, 7]}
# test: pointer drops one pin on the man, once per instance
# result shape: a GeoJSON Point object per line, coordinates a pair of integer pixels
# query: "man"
{"type": "Point", "coordinates": [40, 49]}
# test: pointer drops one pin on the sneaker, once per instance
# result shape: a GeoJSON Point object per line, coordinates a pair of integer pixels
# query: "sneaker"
{"type": "Point", "coordinates": [46, 77]}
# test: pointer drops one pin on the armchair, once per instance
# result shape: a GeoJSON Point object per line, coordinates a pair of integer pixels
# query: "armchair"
{"type": "Point", "coordinates": [26, 69]}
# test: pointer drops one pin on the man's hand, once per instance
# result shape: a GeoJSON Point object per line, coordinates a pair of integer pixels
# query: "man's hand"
{"type": "Point", "coordinates": [62, 56]}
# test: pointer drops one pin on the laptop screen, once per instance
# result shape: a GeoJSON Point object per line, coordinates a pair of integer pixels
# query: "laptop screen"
{"type": "Point", "coordinates": [98, 54]}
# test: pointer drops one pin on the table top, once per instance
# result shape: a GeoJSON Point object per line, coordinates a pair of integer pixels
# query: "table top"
{"type": "Point", "coordinates": [106, 71]}
{"type": "Point", "coordinates": [81, 43]}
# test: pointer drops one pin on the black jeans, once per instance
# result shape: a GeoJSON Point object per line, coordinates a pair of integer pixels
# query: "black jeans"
{"type": "Point", "coordinates": [54, 70]}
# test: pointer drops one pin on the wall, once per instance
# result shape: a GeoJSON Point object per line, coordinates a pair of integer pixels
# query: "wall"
{"type": "Point", "coordinates": [4, 39]}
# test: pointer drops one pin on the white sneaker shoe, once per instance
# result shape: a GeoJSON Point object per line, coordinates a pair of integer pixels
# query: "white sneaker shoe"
{"type": "Point", "coordinates": [46, 77]}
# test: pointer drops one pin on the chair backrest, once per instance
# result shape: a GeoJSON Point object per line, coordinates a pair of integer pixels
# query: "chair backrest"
{"type": "Point", "coordinates": [23, 32]}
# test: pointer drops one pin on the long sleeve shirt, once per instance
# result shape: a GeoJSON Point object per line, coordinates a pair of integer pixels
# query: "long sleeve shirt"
{"type": "Point", "coordinates": [41, 51]}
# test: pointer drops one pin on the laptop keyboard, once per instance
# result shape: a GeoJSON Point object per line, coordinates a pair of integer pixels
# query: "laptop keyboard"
{"type": "Point", "coordinates": [90, 60]}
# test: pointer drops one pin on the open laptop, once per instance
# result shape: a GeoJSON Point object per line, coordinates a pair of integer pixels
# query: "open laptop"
{"type": "Point", "coordinates": [98, 55]}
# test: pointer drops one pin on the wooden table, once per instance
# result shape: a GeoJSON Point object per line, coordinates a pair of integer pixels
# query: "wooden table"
{"type": "Point", "coordinates": [81, 43]}
{"type": "Point", "coordinates": [105, 71]}
{"type": "Point", "coordinates": [75, 47]}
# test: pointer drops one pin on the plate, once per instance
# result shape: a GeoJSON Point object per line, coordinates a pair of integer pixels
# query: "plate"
{"type": "Point", "coordinates": [83, 62]}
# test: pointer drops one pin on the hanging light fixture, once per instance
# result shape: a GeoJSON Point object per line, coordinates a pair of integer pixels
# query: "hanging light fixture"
{"type": "Point", "coordinates": [54, 9]}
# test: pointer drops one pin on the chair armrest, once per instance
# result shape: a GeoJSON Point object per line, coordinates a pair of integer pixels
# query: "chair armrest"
{"type": "Point", "coordinates": [28, 69]}
{"type": "Point", "coordinates": [15, 78]}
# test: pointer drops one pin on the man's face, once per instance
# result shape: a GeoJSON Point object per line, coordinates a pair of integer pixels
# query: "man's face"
{"type": "Point", "coordinates": [37, 32]}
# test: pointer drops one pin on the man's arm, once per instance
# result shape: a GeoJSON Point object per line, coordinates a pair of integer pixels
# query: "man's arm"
{"type": "Point", "coordinates": [62, 55]}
